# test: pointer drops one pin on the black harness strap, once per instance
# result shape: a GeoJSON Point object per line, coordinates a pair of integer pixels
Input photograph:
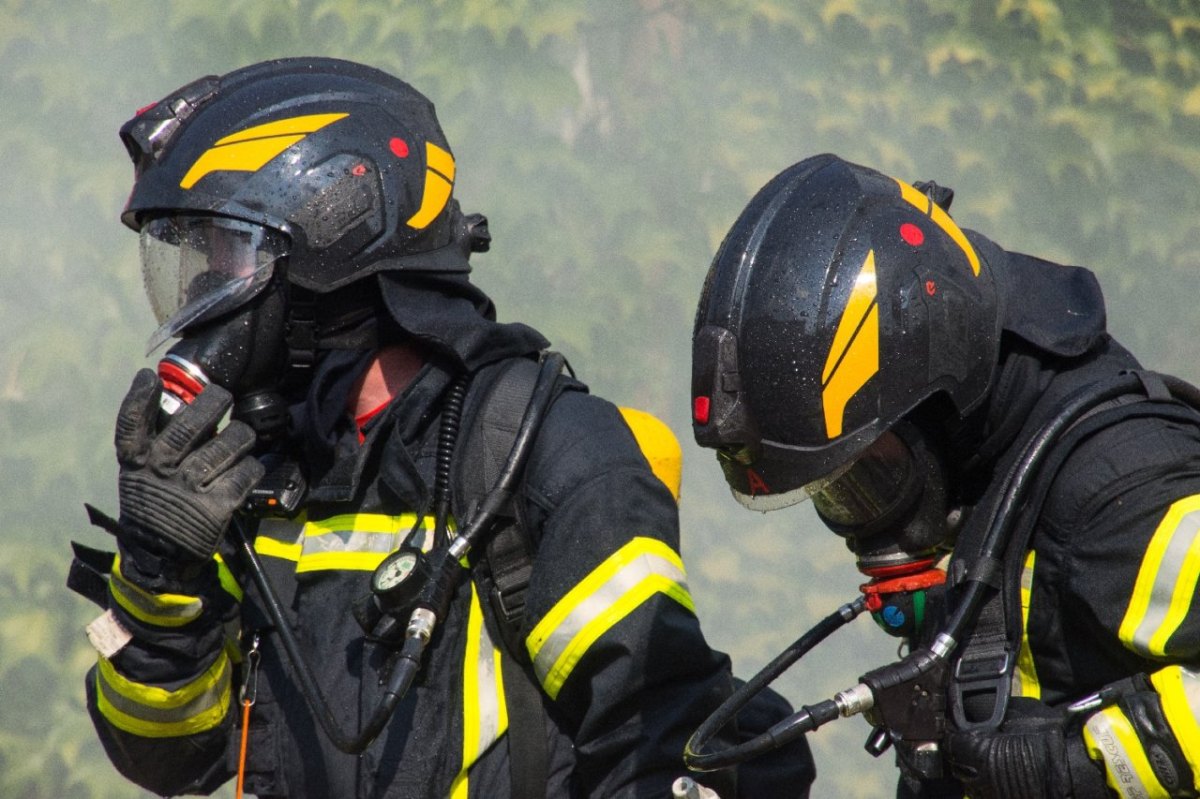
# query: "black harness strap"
{"type": "Point", "coordinates": [503, 572]}
{"type": "Point", "coordinates": [528, 755]}
{"type": "Point", "coordinates": [981, 681]}
{"type": "Point", "coordinates": [508, 563]}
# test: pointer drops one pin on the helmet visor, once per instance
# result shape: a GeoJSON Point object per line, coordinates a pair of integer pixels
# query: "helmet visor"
{"type": "Point", "coordinates": [769, 483]}
{"type": "Point", "coordinates": [870, 487]}
{"type": "Point", "coordinates": [197, 268]}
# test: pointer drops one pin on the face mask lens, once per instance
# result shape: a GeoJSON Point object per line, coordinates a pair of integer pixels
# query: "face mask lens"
{"type": "Point", "coordinates": [874, 487]}
{"type": "Point", "coordinates": [196, 268]}
{"type": "Point", "coordinates": [766, 483]}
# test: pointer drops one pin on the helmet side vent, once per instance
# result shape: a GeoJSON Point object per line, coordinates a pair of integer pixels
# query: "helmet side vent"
{"type": "Point", "coordinates": [720, 417]}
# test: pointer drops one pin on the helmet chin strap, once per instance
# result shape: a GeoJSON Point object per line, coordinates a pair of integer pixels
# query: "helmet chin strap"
{"type": "Point", "coordinates": [341, 320]}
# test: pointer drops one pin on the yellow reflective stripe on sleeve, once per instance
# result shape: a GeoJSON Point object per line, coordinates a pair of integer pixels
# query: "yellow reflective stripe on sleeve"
{"type": "Point", "coordinates": [485, 715]}
{"type": "Point", "coordinates": [1025, 680]}
{"type": "Point", "coordinates": [1111, 740]}
{"type": "Point", "coordinates": [162, 610]}
{"type": "Point", "coordinates": [154, 712]}
{"type": "Point", "coordinates": [613, 590]}
{"type": "Point", "coordinates": [228, 581]}
{"type": "Point", "coordinates": [1166, 581]}
{"type": "Point", "coordinates": [1179, 691]}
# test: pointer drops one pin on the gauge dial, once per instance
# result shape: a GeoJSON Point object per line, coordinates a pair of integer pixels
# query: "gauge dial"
{"type": "Point", "coordinates": [395, 570]}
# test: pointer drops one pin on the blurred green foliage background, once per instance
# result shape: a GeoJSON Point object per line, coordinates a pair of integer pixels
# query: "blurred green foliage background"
{"type": "Point", "coordinates": [611, 143]}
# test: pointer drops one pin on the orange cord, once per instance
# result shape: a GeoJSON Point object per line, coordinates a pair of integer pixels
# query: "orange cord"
{"type": "Point", "coordinates": [241, 775]}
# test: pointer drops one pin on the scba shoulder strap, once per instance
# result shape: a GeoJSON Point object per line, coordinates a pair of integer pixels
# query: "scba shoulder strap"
{"type": "Point", "coordinates": [502, 573]}
{"type": "Point", "coordinates": [493, 421]}
{"type": "Point", "coordinates": [981, 681]}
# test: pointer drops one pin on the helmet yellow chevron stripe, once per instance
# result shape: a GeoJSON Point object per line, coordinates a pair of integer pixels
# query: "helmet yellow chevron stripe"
{"type": "Point", "coordinates": [854, 355]}
{"type": "Point", "coordinates": [921, 201]}
{"type": "Point", "coordinates": [439, 182]}
{"type": "Point", "coordinates": [250, 149]}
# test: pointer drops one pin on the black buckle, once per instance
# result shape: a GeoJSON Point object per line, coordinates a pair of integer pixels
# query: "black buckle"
{"type": "Point", "coordinates": [979, 678]}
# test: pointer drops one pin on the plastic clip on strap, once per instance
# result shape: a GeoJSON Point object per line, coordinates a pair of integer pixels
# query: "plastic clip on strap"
{"type": "Point", "coordinates": [249, 695]}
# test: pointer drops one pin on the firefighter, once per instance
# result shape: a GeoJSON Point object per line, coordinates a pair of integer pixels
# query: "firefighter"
{"type": "Point", "coordinates": [943, 400]}
{"type": "Point", "coordinates": [300, 240]}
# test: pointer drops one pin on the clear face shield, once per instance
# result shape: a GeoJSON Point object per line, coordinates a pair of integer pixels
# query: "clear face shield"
{"type": "Point", "coordinates": [767, 484]}
{"type": "Point", "coordinates": [889, 502]}
{"type": "Point", "coordinates": [197, 268]}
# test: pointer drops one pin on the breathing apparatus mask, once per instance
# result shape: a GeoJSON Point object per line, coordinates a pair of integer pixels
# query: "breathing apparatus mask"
{"type": "Point", "coordinates": [891, 506]}
{"type": "Point", "coordinates": [219, 285]}
{"type": "Point", "coordinates": [890, 503]}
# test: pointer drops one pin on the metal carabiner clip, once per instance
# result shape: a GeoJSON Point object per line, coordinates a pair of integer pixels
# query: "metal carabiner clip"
{"type": "Point", "coordinates": [249, 692]}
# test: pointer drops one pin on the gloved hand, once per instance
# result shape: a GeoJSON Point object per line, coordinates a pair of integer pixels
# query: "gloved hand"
{"type": "Point", "coordinates": [179, 488]}
{"type": "Point", "coordinates": [1029, 757]}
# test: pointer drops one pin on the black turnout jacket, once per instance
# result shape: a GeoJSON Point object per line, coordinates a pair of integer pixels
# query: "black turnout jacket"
{"type": "Point", "coordinates": [1105, 587]}
{"type": "Point", "coordinates": [610, 631]}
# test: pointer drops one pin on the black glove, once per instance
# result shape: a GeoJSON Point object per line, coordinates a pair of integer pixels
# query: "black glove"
{"type": "Point", "coordinates": [1029, 757]}
{"type": "Point", "coordinates": [180, 487]}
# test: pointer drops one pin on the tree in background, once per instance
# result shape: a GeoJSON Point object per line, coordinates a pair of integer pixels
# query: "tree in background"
{"type": "Point", "coordinates": [611, 144]}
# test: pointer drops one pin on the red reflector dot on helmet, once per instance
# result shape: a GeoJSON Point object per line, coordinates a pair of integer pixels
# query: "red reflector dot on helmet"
{"type": "Point", "coordinates": [399, 147]}
{"type": "Point", "coordinates": [912, 234]}
{"type": "Point", "coordinates": [700, 409]}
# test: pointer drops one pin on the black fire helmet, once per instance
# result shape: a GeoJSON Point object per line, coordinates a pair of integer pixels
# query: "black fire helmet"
{"type": "Point", "coordinates": [345, 164]}
{"type": "Point", "coordinates": [840, 300]}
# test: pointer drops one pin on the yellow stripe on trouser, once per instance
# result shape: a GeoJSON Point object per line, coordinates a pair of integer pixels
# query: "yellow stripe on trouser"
{"type": "Point", "coordinates": [485, 715]}
{"type": "Point", "coordinates": [1111, 740]}
{"type": "Point", "coordinates": [613, 590]}
{"type": "Point", "coordinates": [1179, 691]}
{"type": "Point", "coordinates": [162, 610]}
{"type": "Point", "coordinates": [1166, 581]}
{"type": "Point", "coordinates": [154, 712]}
{"type": "Point", "coordinates": [1025, 679]}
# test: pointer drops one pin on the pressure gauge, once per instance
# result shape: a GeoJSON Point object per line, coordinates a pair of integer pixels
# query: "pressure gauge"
{"type": "Point", "coordinates": [399, 578]}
